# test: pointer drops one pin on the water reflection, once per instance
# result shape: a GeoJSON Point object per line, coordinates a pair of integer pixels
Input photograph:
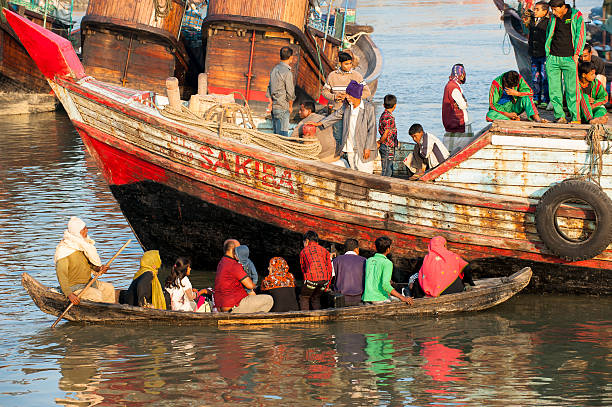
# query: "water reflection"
{"type": "Point", "coordinates": [469, 360]}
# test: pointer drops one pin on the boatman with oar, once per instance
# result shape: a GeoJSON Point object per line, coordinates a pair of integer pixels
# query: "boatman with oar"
{"type": "Point", "coordinates": [76, 258]}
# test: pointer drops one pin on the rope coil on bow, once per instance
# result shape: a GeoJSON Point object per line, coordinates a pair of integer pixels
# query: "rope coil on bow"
{"type": "Point", "coordinates": [221, 119]}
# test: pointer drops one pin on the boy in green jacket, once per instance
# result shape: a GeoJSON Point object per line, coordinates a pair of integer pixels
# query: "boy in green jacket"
{"type": "Point", "coordinates": [509, 97]}
{"type": "Point", "coordinates": [594, 95]}
{"type": "Point", "coordinates": [565, 41]}
{"type": "Point", "coordinates": [378, 272]}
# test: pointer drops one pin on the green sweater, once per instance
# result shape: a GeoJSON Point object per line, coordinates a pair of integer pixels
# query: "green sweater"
{"type": "Point", "coordinates": [377, 278]}
{"type": "Point", "coordinates": [72, 270]}
{"type": "Point", "coordinates": [597, 92]}
{"type": "Point", "coordinates": [578, 32]}
{"type": "Point", "coordinates": [496, 91]}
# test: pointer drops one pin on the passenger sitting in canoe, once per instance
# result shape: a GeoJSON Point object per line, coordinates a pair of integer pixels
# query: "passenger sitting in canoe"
{"type": "Point", "coordinates": [305, 129]}
{"type": "Point", "coordinates": [280, 284]}
{"type": "Point", "coordinates": [378, 272]}
{"type": "Point", "coordinates": [178, 286]}
{"type": "Point", "coordinates": [442, 272]}
{"type": "Point", "coordinates": [242, 255]}
{"type": "Point", "coordinates": [146, 290]}
{"type": "Point", "coordinates": [315, 262]}
{"type": "Point", "coordinates": [76, 258]}
{"type": "Point", "coordinates": [359, 129]}
{"type": "Point", "coordinates": [428, 151]}
{"type": "Point", "coordinates": [350, 269]}
{"type": "Point", "coordinates": [594, 96]}
{"type": "Point", "coordinates": [509, 97]}
{"type": "Point", "coordinates": [230, 282]}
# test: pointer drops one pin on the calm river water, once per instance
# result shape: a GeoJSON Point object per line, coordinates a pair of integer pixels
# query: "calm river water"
{"type": "Point", "coordinates": [533, 350]}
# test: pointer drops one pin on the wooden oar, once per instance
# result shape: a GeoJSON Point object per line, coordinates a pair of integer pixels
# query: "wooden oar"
{"type": "Point", "coordinates": [90, 283]}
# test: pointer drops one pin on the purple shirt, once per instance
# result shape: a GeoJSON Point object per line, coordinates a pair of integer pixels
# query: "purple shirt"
{"type": "Point", "coordinates": [350, 269]}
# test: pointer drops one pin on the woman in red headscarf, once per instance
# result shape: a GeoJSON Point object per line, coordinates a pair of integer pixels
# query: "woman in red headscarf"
{"type": "Point", "coordinates": [443, 272]}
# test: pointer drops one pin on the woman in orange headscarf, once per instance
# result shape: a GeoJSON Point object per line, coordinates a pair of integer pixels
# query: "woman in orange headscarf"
{"type": "Point", "coordinates": [280, 284]}
{"type": "Point", "coordinates": [443, 272]}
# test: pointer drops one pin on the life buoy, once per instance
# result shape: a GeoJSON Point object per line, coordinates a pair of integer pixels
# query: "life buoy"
{"type": "Point", "coordinates": [551, 233]}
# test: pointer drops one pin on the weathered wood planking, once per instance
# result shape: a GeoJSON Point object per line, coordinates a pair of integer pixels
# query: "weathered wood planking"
{"type": "Point", "coordinates": [291, 12]}
{"type": "Point", "coordinates": [141, 12]}
{"type": "Point", "coordinates": [229, 40]}
{"type": "Point", "coordinates": [486, 294]}
{"type": "Point", "coordinates": [523, 171]}
{"type": "Point", "coordinates": [418, 215]}
{"type": "Point", "coordinates": [130, 45]}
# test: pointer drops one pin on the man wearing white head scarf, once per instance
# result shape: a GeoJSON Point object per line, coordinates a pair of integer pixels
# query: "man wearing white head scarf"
{"type": "Point", "coordinates": [76, 258]}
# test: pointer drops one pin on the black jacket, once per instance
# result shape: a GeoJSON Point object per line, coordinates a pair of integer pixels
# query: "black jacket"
{"type": "Point", "coordinates": [537, 37]}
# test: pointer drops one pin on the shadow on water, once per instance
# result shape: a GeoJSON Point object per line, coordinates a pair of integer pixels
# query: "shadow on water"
{"type": "Point", "coordinates": [514, 354]}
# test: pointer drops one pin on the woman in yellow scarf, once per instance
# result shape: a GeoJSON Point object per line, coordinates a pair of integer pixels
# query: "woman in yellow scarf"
{"type": "Point", "coordinates": [146, 289]}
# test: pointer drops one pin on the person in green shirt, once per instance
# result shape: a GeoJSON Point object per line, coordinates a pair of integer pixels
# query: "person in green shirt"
{"type": "Point", "coordinates": [378, 276]}
{"type": "Point", "coordinates": [594, 96]}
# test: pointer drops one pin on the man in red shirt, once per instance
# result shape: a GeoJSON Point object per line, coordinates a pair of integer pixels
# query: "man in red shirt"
{"type": "Point", "coordinates": [230, 282]}
{"type": "Point", "coordinates": [317, 269]}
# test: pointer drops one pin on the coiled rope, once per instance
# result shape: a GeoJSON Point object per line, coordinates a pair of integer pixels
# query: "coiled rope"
{"type": "Point", "coordinates": [595, 136]}
{"type": "Point", "coordinates": [221, 119]}
{"type": "Point", "coordinates": [162, 10]}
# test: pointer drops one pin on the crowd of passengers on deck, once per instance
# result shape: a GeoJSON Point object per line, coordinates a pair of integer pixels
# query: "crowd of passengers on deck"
{"type": "Point", "coordinates": [349, 276]}
{"type": "Point", "coordinates": [350, 136]}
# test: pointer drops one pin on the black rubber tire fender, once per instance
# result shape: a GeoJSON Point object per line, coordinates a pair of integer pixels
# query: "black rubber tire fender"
{"type": "Point", "coordinates": [547, 227]}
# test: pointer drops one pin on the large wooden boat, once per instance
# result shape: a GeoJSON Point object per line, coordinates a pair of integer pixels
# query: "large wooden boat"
{"type": "Point", "coordinates": [241, 41]}
{"type": "Point", "coordinates": [15, 62]}
{"type": "Point", "coordinates": [486, 294]}
{"type": "Point", "coordinates": [184, 188]}
{"type": "Point", "coordinates": [134, 43]}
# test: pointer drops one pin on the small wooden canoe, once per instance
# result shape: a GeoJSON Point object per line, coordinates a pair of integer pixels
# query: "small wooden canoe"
{"type": "Point", "coordinates": [486, 294]}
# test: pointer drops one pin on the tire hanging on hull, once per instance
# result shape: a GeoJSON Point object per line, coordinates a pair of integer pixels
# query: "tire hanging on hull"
{"type": "Point", "coordinates": [550, 232]}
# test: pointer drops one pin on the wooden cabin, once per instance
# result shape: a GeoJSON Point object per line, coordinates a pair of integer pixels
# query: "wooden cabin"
{"type": "Point", "coordinates": [134, 43]}
{"type": "Point", "coordinates": [241, 41]}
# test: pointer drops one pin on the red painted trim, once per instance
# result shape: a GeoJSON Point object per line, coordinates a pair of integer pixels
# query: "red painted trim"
{"type": "Point", "coordinates": [471, 149]}
{"type": "Point", "coordinates": [53, 54]}
{"type": "Point", "coordinates": [133, 166]}
{"type": "Point", "coordinates": [255, 95]}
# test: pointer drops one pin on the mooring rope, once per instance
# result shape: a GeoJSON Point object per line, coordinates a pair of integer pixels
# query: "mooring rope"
{"type": "Point", "coordinates": [221, 120]}
{"type": "Point", "coordinates": [352, 39]}
{"type": "Point", "coordinates": [595, 136]}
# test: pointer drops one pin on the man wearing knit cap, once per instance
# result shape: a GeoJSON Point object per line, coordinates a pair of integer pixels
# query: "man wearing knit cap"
{"type": "Point", "coordinates": [76, 258]}
{"type": "Point", "coordinates": [359, 129]}
{"type": "Point", "coordinates": [565, 41]}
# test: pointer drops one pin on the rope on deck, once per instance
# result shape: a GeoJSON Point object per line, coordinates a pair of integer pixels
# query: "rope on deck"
{"type": "Point", "coordinates": [221, 119]}
{"type": "Point", "coordinates": [595, 136]}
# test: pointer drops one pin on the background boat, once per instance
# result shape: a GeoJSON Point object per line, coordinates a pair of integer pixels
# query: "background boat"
{"type": "Point", "coordinates": [135, 43]}
{"type": "Point", "coordinates": [15, 62]}
{"type": "Point", "coordinates": [140, 43]}
{"type": "Point", "coordinates": [241, 42]}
